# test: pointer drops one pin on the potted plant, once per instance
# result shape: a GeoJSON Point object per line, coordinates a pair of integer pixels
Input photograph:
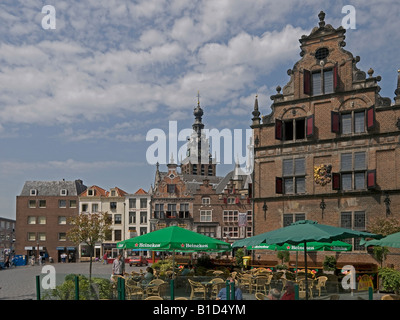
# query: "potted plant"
{"type": "Point", "coordinates": [329, 264]}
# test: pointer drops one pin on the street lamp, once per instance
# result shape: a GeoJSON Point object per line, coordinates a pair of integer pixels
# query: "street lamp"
{"type": "Point", "coordinates": [387, 202]}
{"type": "Point", "coordinates": [265, 208]}
{"type": "Point", "coordinates": [322, 205]}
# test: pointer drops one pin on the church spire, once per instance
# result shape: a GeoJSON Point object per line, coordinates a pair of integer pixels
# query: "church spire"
{"type": "Point", "coordinates": [256, 114]}
{"type": "Point", "coordinates": [397, 91]}
{"type": "Point", "coordinates": [198, 114]}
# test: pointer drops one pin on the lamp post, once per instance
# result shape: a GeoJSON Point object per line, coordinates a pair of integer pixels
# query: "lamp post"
{"type": "Point", "coordinates": [265, 208]}
{"type": "Point", "coordinates": [322, 205]}
{"type": "Point", "coordinates": [387, 202]}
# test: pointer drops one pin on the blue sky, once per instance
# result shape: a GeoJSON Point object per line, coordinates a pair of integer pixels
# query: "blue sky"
{"type": "Point", "coordinates": [77, 102]}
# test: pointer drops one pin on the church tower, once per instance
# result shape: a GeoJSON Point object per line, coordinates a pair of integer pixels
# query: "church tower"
{"type": "Point", "coordinates": [198, 159]}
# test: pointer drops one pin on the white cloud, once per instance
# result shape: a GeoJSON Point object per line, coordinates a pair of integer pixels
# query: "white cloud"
{"type": "Point", "coordinates": [69, 165]}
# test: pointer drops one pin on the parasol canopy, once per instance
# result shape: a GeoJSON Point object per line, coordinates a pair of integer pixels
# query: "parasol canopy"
{"type": "Point", "coordinates": [392, 240]}
{"type": "Point", "coordinates": [174, 239]}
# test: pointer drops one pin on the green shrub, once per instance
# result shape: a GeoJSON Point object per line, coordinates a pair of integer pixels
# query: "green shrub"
{"type": "Point", "coordinates": [390, 279]}
{"type": "Point", "coordinates": [66, 291]}
{"type": "Point", "coordinates": [205, 261]}
{"type": "Point", "coordinates": [329, 263]}
{"type": "Point", "coordinates": [239, 254]}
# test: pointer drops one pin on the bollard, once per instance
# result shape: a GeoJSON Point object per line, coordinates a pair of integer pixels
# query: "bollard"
{"type": "Point", "coordinates": [370, 293]}
{"type": "Point", "coordinates": [228, 295]}
{"type": "Point", "coordinates": [121, 288]}
{"type": "Point", "coordinates": [76, 287]}
{"type": "Point", "coordinates": [232, 291]}
{"type": "Point", "coordinates": [37, 287]}
{"type": "Point", "coordinates": [118, 288]}
{"type": "Point", "coordinates": [172, 288]}
{"type": "Point", "coordinates": [296, 292]}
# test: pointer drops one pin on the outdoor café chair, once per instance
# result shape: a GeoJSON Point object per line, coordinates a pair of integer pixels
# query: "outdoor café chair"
{"type": "Point", "coordinates": [390, 297]}
{"type": "Point", "coordinates": [152, 288]}
{"type": "Point", "coordinates": [154, 298]}
{"type": "Point", "coordinates": [217, 285]}
{"type": "Point", "coordinates": [197, 288]}
{"type": "Point", "coordinates": [261, 283]}
{"type": "Point", "coordinates": [302, 288]}
{"type": "Point", "coordinates": [245, 281]}
{"type": "Point", "coordinates": [321, 283]}
{"type": "Point", "coordinates": [133, 291]}
{"type": "Point", "coordinates": [260, 296]}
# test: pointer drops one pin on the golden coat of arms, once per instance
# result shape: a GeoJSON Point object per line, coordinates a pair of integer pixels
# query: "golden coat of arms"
{"type": "Point", "coordinates": [322, 174]}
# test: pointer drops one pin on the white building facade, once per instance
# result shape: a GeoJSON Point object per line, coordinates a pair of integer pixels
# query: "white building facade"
{"type": "Point", "coordinates": [137, 217]}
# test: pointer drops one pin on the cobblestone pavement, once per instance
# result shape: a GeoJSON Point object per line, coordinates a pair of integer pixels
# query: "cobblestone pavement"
{"type": "Point", "coordinates": [20, 283]}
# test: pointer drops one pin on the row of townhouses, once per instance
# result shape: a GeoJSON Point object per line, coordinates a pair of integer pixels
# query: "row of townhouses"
{"type": "Point", "coordinates": [189, 195]}
{"type": "Point", "coordinates": [328, 150]}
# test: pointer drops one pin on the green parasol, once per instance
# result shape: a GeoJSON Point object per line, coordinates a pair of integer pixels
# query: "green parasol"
{"type": "Point", "coordinates": [174, 239]}
{"type": "Point", "coordinates": [304, 231]}
{"type": "Point", "coordinates": [392, 240]}
{"type": "Point", "coordinates": [311, 246]}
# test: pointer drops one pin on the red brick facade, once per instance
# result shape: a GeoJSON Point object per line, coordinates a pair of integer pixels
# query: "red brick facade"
{"type": "Point", "coordinates": [329, 150]}
{"type": "Point", "coordinates": [42, 212]}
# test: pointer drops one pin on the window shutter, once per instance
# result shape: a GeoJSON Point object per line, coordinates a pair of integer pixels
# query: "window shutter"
{"type": "Point", "coordinates": [335, 77]}
{"type": "Point", "coordinates": [278, 185]}
{"type": "Point", "coordinates": [335, 181]}
{"type": "Point", "coordinates": [310, 126]}
{"type": "Point", "coordinates": [278, 129]}
{"type": "Point", "coordinates": [225, 200]}
{"type": "Point", "coordinates": [371, 179]}
{"type": "Point", "coordinates": [370, 118]}
{"type": "Point", "coordinates": [307, 82]}
{"type": "Point", "coordinates": [335, 122]}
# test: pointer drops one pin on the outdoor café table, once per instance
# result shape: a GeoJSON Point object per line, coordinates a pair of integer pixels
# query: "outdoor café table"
{"type": "Point", "coordinates": [208, 285]}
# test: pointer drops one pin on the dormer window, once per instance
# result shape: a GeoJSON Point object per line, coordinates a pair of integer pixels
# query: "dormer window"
{"type": "Point", "coordinates": [91, 192]}
{"type": "Point", "coordinates": [63, 192]}
{"type": "Point", "coordinates": [33, 192]}
{"type": "Point", "coordinates": [321, 81]}
{"type": "Point", "coordinates": [294, 129]}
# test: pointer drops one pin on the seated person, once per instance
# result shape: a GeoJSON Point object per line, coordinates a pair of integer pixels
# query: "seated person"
{"type": "Point", "coordinates": [185, 271]}
{"type": "Point", "coordinates": [148, 276]}
{"type": "Point", "coordinates": [289, 293]}
{"type": "Point", "coordinates": [274, 294]}
{"type": "Point", "coordinates": [238, 292]}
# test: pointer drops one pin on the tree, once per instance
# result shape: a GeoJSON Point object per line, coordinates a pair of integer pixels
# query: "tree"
{"type": "Point", "coordinates": [383, 226]}
{"type": "Point", "coordinates": [284, 256]}
{"type": "Point", "coordinates": [89, 229]}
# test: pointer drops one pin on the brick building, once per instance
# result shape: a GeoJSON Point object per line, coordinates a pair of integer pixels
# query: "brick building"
{"type": "Point", "coordinates": [42, 212]}
{"type": "Point", "coordinates": [7, 237]}
{"type": "Point", "coordinates": [195, 198]}
{"type": "Point", "coordinates": [224, 210]}
{"type": "Point", "coordinates": [329, 149]}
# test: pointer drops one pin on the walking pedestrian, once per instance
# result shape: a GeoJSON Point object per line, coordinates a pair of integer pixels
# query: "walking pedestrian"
{"type": "Point", "coordinates": [118, 268]}
{"type": "Point", "coordinates": [63, 257]}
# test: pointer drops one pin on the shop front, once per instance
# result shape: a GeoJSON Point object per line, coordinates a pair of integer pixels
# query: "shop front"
{"type": "Point", "coordinates": [71, 254]}
{"type": "Point", "coordinates": [35, 252]}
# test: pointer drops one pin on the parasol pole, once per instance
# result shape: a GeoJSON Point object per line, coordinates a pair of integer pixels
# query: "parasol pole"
{"type": "Point", "coordinates": [305, 267]}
